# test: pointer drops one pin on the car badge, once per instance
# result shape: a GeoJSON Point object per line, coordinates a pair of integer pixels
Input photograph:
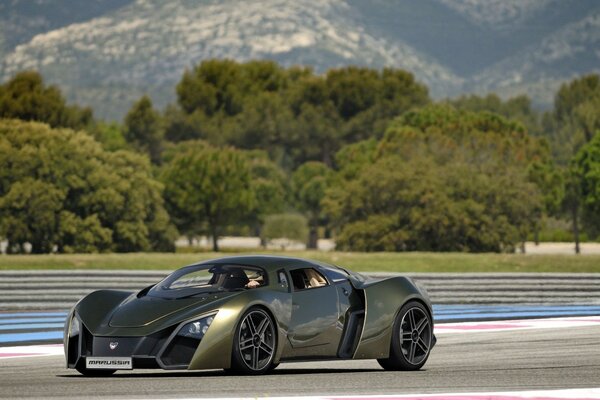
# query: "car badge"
{"type": "Point", "coordinates": [113, 345]}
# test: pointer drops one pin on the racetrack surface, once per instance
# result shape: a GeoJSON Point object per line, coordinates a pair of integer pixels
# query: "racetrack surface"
{"type": "Point", "coordinates": [18, 328]}
{"type": "Point", "coordinates": [503, 360]}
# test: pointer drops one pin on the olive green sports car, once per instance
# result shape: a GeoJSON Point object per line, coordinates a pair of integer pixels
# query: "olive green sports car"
{"type": "Point", "coordinates": [249, 313]}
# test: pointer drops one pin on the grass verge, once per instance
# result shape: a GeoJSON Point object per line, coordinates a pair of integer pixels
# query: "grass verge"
{"type": "Point", "coordinates": [363, 262]}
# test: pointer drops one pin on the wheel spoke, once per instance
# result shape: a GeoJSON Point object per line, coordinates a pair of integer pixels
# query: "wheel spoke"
{"type": "Point", "coordinates": [246, 344]}
{"type": "Point", "coordinates": [266, 347]}
{"type": "Point", "coordinates": [422, 324]}
{"type": "Point", "coordinates": [262, 327]}
{"type": "Point", "coordinates": [250, 324]}
{"type": "Point", "coordinates": [411, 319]}
{"type": "Point", "coordinates": [423, 346]}
{"type": "Point", "coordinates": [411, 354]}
{"type": "Point", "coordinates": [255, 357]}
{"type": "Point", "coordinates": [406, 336]}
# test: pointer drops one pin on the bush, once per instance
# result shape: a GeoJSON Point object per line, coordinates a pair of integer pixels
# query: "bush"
{"type": "Point", "coordinates": [290, 227]}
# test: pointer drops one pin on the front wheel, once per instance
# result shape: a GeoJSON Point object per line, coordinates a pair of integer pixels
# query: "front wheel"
{"type": "Point", "coordinates": [412, 336]}
{"type": "Point", "coordinates": [254, 344]}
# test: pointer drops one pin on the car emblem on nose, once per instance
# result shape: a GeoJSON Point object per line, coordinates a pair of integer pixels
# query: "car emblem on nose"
{"type": "Point", "coordinates": [113, 345]}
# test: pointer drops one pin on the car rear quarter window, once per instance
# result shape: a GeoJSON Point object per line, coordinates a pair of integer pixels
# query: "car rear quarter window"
{"type": "Point", "coordinates": [307, 278]}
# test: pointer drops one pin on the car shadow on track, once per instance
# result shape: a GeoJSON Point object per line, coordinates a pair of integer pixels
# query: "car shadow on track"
{"type": "Point", "coordinates": [220, 373]}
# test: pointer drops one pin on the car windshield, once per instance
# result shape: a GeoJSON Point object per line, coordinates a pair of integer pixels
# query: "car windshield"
{"type": "Point", "coordinates": [208, 278]}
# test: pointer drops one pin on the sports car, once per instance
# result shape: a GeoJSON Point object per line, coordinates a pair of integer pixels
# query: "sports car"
{"type": "Point", "coordinates": [247, 314]}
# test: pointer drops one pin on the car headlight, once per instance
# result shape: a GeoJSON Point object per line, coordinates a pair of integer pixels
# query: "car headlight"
{"type": "Point", "coordinates": [196, 329]}
{"type": "Point", "coordinates": [74, 326]}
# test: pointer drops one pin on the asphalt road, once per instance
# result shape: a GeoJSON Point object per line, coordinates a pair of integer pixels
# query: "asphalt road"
{"type": "Point", "coordinates": [490, 361]}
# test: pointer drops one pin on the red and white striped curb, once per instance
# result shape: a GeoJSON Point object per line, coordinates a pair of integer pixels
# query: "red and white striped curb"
{"type": "Point", "coordinates": [31, 351]}
{"type": "Point", "coordinates": [490, 326]}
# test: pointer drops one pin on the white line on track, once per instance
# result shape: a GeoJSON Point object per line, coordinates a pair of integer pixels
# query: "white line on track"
{"type": "Point", "coordinates": [490, 326]}
{"type": "Point", "coordinates": [447, 328]}
{"type": "Point", "coordinates": [31, 351]}
{"type": "Point", "coordinates": [570, 394]}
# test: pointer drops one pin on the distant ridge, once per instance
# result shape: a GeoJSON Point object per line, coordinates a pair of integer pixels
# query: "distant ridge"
{"type": "Point", "coordinates": [106, 54]}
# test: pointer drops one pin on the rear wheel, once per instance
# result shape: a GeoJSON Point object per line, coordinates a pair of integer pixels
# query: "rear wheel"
{"type": "Point", "coordinates": [412, 335]}
{"type": "Point", "coordinates": [255, 343]}
{"type": "Point", "coordinates": [95, 372]}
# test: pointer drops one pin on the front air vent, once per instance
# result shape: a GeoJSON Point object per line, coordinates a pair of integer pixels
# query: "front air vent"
{"type": "Point", "coordinates": [179, 352]}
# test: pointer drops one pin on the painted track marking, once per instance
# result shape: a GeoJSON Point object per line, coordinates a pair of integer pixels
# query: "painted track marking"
{"type": "Point", "coordinates": [23, 327]}
{"type": "Point", "coordinates": [449, 328]}
{"type": "Point", "coordinates": [489, 326]}
{"type": "Point", "coordinates": [565, 394]}
{"type": "Point", "coordinates": [31, 351]}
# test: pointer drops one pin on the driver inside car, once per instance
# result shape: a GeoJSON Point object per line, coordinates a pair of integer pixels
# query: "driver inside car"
{"type": "Point", "coordinates": [255, 281]}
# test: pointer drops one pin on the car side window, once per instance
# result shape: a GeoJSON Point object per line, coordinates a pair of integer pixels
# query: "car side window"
{"type": "Point", "coordinates": [283, 280]}
{"type": "Point", "coordinates": [307, 278]}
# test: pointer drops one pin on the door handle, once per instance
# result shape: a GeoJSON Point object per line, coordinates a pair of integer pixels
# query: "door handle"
{"type": "Point", "coordinates": [295, 306]}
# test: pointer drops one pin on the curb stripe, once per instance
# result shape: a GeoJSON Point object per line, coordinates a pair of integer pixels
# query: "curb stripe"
{"type": "Point", "coordinates": [13, 327]}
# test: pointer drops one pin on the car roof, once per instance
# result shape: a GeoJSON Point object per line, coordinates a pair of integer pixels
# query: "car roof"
{"type": "Point", "coordinates": [267, 262]}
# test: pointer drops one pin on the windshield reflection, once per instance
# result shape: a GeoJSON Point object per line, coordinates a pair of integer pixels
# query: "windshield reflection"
{"type": "Point", "coordinates": [208, 278]}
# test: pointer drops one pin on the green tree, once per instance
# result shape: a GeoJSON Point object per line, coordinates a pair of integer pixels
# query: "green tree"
{"type": "Point", "coordinates": [111, 135]}
{"type": "Point", "coordinates": [223, 85]}
{"type": "Point", "coordinates": [263, 124]}
{"type": "Point", "coordinates": [143, 128]}
{"type": "Point", "coordinates": [270, 189]}
{"type": "Point", "coordinates": [293, 114]}
{"type": "Point", "coordinates": [59, 189]}
{"type": "Point", "coordinates": [516, 108]}
{"type": "Point", "coordinates": [26, 97]}
{"type": "Point", "coordinates": [571, 126]}
{"type": "Point", "coordinates": [575, 117]}
{"type": "Point", "coordinates": [439, 180]}
{"type": "Point", "coordinates": [571, 203]}
{"type": "Point", "coordinates": [309, 184]}
{"type": "Point", "coordinates": [586, 175]}
{"type": "Point", "coordinates": [286, 227]}
{"type": "Point", "coordinates": [208, 186]}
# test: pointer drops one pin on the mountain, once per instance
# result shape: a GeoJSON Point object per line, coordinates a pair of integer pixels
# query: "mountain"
{"type": "Point", "coordinates": [108, 53]}
{"type": "Point", "coordinates": [23, 19]}
{"type": "Point", "coordinates": [540, 68]}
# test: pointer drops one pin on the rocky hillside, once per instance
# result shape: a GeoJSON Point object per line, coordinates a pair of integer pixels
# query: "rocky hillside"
{"type": "Point", "coordinates": [107, 53]}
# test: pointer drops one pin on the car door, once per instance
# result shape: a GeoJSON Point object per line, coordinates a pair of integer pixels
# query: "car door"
{"type": "Point", "coordinates": [314, 330]}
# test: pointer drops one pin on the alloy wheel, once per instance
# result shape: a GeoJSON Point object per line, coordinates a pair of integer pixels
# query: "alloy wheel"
{"type": "Point", "coordinates": [256, 340]}
{"type": "Point", "coordinates": [415, 335]}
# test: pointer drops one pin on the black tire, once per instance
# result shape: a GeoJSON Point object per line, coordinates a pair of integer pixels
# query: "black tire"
{"type": "Point", "coordinates": [95, 372]}
{"type": "Point", "coordinates": [412, 338]}
{"type": "Point", "coordinates": [254, 343]}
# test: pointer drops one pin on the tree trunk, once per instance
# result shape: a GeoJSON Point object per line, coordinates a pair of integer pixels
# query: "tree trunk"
{"type": "Point", "coordinates": [258, 233]}
{"type": "Point", "coordinates": [37, 247]}
{"type": "Point", "coordinates": [215, 238]}
{"type": "Point", "coordinates": [574, 216]}
{"type": "Point", "coordinates": [313, 237]}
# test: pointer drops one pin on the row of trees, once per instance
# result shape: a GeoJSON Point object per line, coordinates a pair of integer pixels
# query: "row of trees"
{"type": "Point", "coordinates": [60, 190]}
{"type": "Point", "coordinates": [249, 147]}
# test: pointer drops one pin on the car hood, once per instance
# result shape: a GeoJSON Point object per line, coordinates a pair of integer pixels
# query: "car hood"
{"type": "Point", "coordinates": [139, 312]}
